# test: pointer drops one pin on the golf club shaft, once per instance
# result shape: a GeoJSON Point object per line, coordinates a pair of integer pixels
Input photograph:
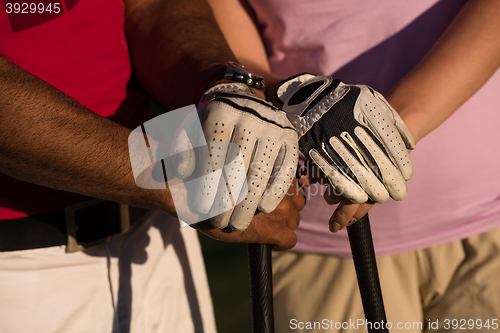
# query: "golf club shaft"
{"type": "Point", "coordinates": [261, 287]}
{"type": "Point", "coordinates": [363, 255]}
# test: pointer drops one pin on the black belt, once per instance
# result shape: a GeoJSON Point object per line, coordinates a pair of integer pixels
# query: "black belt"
{"type": "Point", "coordinates": [78, 226]}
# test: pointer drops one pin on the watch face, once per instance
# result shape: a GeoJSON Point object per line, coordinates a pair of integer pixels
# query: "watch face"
{"type": "Point", "coordinates": [240, 69]}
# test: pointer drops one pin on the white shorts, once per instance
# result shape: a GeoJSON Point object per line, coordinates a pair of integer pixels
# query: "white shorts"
{"type": "Point", "coordinates": [151, 279]}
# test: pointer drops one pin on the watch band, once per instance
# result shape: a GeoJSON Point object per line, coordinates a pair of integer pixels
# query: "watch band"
{"type": "Point", "coordinates": [239, 73]}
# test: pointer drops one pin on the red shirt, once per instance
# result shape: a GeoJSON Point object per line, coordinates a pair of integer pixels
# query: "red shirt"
{"type": "Point", "coordinates": [83, 52]}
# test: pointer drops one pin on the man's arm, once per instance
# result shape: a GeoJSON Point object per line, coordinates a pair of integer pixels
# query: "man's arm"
{"type": "Point", "coordinates": [176, 47]}
{"type": "Point", "coordinates": [49, 139]}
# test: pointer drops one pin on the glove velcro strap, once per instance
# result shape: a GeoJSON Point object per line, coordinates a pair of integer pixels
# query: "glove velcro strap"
{"type": "Point", "coordinates": [287, 86]}
{"type": "Point", "coordinates": [238, 88]}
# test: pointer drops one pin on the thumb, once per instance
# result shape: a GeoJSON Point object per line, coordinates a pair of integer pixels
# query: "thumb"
{"type": "Point", "coordinates": [286, 240]}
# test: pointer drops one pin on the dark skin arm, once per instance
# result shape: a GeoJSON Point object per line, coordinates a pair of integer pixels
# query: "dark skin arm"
{"type": "Point", "coordinates": [48, 139]}
{"type": "Point", "coordinates": [155, 28]}
{"type": "Point", "coordinates": [175, 47]}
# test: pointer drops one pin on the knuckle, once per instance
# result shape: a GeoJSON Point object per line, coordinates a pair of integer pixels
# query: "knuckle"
{"type": "Point", "coordinates": [284, 206]}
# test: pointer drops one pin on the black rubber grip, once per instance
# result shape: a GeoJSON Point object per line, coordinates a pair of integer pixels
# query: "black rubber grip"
{"type": "Point", "coordinates": [363, 255]}
{"type": "Point", "coordinates": [261, 287]}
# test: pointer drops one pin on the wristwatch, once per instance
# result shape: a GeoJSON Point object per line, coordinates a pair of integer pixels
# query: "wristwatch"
{"type": "Point", "coordinates": [239, 73]}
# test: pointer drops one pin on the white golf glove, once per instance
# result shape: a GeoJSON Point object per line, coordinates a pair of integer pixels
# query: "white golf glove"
{"type": "Point", "coordinates": [251, 158]}
{"type": "Point", "coordinates": [352, 134]}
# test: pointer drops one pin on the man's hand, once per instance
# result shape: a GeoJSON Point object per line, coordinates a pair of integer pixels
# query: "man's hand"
{"type": "Point", "coordinates": [250, 160]}
{"type": "Point", "coordinates": [276, 228]}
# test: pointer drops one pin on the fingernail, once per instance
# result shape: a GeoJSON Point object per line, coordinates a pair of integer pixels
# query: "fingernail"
{"type": "Point", "coordinates": [334, 227]}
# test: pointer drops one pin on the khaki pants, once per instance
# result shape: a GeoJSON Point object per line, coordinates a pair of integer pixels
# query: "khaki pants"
{"type": "Point", "coordinates": [453, 287]}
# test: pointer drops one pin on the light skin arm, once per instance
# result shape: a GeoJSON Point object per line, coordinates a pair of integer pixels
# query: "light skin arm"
{"type": "Point", "coordinates": [245, 41]}
{"type": "Point", "coordinates": [458, 65]}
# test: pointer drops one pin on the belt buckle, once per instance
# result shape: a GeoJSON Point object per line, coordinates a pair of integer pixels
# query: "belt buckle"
{"type": "Point", "coordinates": [72, 244]}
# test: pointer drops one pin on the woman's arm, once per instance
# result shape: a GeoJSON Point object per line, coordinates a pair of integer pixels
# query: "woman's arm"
{"type": "Point", "coordinates": [458, 65]}
{"type": "Point", "coordinates": [244, 39]}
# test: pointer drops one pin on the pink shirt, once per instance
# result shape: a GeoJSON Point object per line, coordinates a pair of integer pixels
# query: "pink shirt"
{"type": "Point", "coordinates": [83, 52]}
{"type": "Point", "coordinates": [455, 190]}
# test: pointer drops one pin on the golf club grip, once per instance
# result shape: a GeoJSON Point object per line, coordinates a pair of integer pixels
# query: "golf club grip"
{"type": "Point", "coordinates": [363, 255]}
{"type": "Point", "coordinates": [261, 287]}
